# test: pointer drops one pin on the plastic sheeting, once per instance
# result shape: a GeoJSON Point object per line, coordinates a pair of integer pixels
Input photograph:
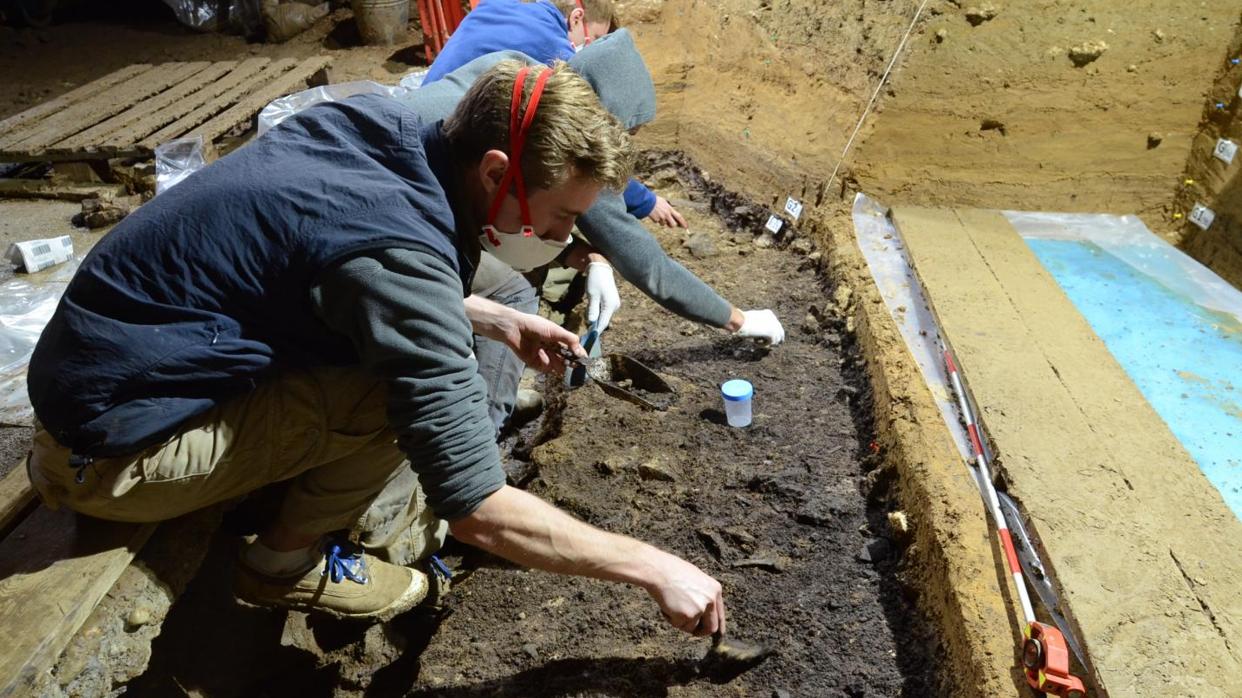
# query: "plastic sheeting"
{"type": "Point", "coordinates": [1172, 324]}
{"type": "Point", "coordinates": [26, 306]}
{"type": "Point", "coordinates": [284, 107]}
{"type": "Point", "coordinates": [903, 295]}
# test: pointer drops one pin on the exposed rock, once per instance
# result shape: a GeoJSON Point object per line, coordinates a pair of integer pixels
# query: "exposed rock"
{"type": "Point", "coordinates": [700, 244]}
{"type": "Point", "coordinates": [982, 13]}
{"type": "Point", "coordinates": [137, 618]}
{"type": "Point", "coordinates": [842, 297]}
{"type": "Point", "coordinates": [1087, 52]}
{"type": "Point", "coordinates": [531, 651]}
{"type": "Point", "coordinates": [1154, 139]}
{"type": "Point", "coordinates": [802, 246]}
{"type": "Point", "coordinates": [655, 470]}
{"type": "Point", "coordinates": [875, 550]}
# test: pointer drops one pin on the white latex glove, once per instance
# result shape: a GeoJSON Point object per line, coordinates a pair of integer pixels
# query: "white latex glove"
{"type": "Point", "coordinates": [762, 325]}
{"type": "Point", "coordinates": [604, 300]}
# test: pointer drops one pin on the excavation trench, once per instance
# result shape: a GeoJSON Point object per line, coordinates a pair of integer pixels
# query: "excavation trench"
{"type": "Point", "coordinates": [788, 514]}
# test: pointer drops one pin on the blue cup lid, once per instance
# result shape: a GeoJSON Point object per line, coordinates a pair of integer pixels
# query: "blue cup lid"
{"type": "Point", "coordinates": [737, 390]}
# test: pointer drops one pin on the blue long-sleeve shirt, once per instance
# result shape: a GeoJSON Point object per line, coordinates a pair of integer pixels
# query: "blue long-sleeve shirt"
{"type": "Point", "coordinates": [537, 29]}
{"type": "Point", "coordinates": [639, 200]}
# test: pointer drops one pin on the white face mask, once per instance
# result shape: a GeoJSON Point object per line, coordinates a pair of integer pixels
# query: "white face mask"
{"type": "Point", "coordinates": [522, 251]}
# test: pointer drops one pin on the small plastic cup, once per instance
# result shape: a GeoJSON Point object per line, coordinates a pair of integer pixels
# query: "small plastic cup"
{"type": "Point", "coordinates": [737, 396]}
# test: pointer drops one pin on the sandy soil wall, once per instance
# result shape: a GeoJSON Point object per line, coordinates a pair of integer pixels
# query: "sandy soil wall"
{"type": "Point", "coordinates": [1211, 181]}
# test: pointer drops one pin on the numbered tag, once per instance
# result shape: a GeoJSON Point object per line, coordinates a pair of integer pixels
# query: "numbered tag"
{"type": "Point", "coordinates": [774, 224]}
{"type": "Point", "coordinates": [793, 207]}
{"type": "Point", "coordinates": [1202, 216]}
{"type": "Point", "coordinates": [1226, 151]}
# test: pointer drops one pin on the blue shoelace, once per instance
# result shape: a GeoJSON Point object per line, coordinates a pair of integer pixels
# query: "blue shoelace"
{"type": "Point", "coordinates": [442, 570]}
{"type": "Point", "coordinates": [339, 564]}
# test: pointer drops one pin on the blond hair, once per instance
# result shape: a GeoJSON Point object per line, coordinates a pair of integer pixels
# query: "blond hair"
{"type": "Point", "coordinates": [596, 10]}
{"type": "Point", "coordinates": [571, 134]}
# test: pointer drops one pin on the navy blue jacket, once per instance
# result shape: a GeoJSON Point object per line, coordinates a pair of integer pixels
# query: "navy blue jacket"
{"type": "Point", "coordinates": [205, 290]}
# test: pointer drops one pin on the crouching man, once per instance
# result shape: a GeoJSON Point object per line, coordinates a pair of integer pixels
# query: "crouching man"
{"type": "Point", "coordinates": [295, 312]}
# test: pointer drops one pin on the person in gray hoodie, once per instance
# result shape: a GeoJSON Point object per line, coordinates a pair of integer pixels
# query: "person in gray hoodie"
{"type": "Point", "coordinates": [613, 238]}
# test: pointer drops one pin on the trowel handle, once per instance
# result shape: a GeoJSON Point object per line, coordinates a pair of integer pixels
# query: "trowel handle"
{"type": "Point", "coordinates": [592, 336]}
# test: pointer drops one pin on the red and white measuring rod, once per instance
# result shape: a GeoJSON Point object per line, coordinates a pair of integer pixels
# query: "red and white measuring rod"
{"type": "Point", "coordinates": [989, 490]}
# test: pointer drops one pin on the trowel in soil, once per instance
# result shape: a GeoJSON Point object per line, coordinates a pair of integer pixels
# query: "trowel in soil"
{"type": "Point", "coordinates": [727, 658]}
{"type": "Point", "coordinates": [625, 378]}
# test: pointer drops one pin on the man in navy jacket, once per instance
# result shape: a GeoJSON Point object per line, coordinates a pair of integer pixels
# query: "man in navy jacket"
{"type": "Point", "coordinates": [295, 312]}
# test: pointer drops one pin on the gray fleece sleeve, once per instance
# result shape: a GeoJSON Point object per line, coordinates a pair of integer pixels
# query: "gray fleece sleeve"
{"type": "Point", "coordinates": [638, 257]}
{"type": "Point", "coordinates": [403, 311]}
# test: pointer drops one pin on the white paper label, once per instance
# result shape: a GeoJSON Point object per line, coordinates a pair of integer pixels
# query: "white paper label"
{"type": "Point", "coordinates": [36, 255]}
{"type": "Point", "coordinates": [774, 224]}
{"type": "Point", "coordinates": [1225, 151]}
{"type": "Point", "coordinates": [1202, 216]}
{"type": "Point", "coordinates": [793, 207]}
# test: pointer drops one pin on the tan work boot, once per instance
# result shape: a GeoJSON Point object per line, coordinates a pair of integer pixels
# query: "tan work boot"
{"type": "Point", "coordinates": [350, 584]}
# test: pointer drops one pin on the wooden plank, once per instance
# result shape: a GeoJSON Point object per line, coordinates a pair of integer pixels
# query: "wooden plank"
{"type": "Point", "coordinates": [237, 92]}
{"type": "Point", "coordinates": [16, 497]}
{"type": "Point", "coordinates": [85, 114]}
{"type": "Point", "coordinates": [1144, 547]}
{"type": "Point", "coordinates": [240, 74]}
{"type": "Point", "coordinates": [54, 569]}
{"type": "Point", "coordinates": [123, 124]}
{"type": "Point", "coordinates": [253, 103]}
{"type": "Point", "coordinates": [44, 189]}
{"type": "Point", "coordinates": [8, 127]}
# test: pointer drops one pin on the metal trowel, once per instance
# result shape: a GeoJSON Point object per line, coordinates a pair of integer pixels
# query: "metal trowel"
{"type": "Point", "coordinates": [622, 377]}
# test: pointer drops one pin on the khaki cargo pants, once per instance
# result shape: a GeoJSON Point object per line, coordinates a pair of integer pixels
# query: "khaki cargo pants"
{"type": "Point", "coordinates": [325, 429]}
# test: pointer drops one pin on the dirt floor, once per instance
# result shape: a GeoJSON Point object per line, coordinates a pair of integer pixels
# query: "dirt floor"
{"type": "Point", "coordinates": [776, 511]}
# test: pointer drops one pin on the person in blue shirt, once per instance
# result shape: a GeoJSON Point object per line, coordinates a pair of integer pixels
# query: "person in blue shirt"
{"type": "Point", "coordinates": [546, 31]}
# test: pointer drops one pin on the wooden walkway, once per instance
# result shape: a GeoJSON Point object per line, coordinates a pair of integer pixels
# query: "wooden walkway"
{"type": "Point", "coordinates": [129, 112]}
{"type": "Point", "coordinates": [1145, 549]}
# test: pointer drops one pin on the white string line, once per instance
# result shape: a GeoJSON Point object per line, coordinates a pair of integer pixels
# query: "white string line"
{"type": "Point", "coordinates": [875, 95]}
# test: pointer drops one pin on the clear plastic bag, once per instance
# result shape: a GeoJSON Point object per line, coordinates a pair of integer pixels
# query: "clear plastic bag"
{"type": "Point", "coordinates": [26, 306]}
{"type": "Point", "coordinates": [240, 16]}
{"type": "Point", "coordinates": [284, 107]}
{"type": "Point", "coordinates": [176, 160]}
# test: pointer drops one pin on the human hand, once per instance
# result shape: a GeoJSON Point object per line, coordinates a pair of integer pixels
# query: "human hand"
{"type": "Point", "coordinates": [666, 215]}
{"type": "Point", "coordinates": [604, 300]}
{"type": "Point", "coordinates": [762, 325]}
{"type": "Point", "coordinates": [689, 598]}
{"type": "Point", "coordinates": [536, 341]}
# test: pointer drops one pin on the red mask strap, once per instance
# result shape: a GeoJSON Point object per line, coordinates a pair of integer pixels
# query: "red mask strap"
{"type": "Point", "coordinates": [519, 125]}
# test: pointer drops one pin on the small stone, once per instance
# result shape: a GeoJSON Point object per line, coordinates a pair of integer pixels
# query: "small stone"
{"type": "Point", "coordinates": [1132, 68]}
{"type": "Point", "coordinates": [941, 35]}
{"type": "Point", "coordinates": [1086, 52]}
{"type": "Point", "coordinates": [603, 467]}
{"type": "Point", "coordinates": [1154, 139]}
{"type": "Point", "coordinates": [687, 329]}
{"type": "Point", "coordinates": [765, 241]}
{"type": "Point", "coordinates": [842, 297]}
{"type": "Point", "coordinates": [809, 69]}
{"type": "Point", "coordinates": [654, 470]}
{"type": "Point", "coordinates": [875, 550]}
{"type": "Point", "coordinates": [899, 524]}
{"type": "Point", "coordinates": [983, 13]}
{"type": "Point", "coordinates": [521, 615]}
{"type": "Point", "coordinates": [1158, 35]}
{"type": "Point", "coordinates": [802, 246]}
{"type": "Point", "coordinates": [810, 323]}
{"type": "Point", "coordinates": [700, 244]}
{"type": "Point", "coordinates": [137, 618]}
{"type": "Point", "coordinates": [780, 693]}
{"type": "Point", "coordinates": [531, 651]}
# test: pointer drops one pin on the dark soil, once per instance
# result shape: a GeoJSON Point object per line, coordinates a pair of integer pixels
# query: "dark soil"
{"type": "Point", "coordinates": [775, 511]}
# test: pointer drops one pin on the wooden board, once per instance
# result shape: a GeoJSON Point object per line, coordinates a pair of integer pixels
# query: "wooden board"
{"type": "Point", "coordinates": [130, 112]}
{"type": "Point", "coordinates": [54, 569]}
{"type": "Point", "coordinates": [1145, 549]}
{"type": "Point", "coordinates": [16, 497]}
